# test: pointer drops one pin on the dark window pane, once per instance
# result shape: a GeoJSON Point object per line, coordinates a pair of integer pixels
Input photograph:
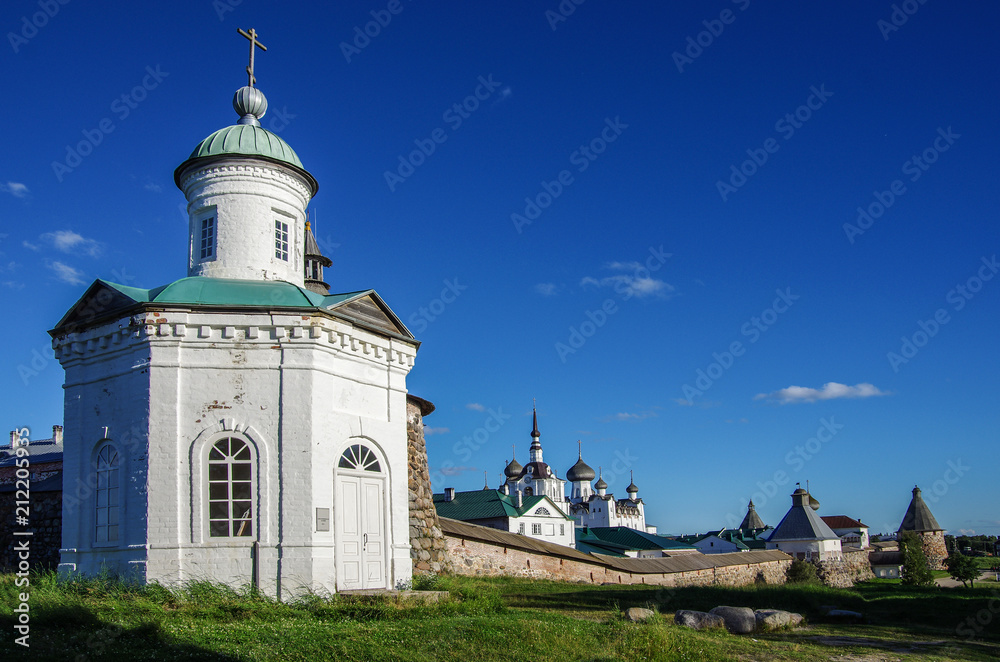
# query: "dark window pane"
{"type": "Point", "coordinates": [218, 491]}
{"type": "Point", "coordinates": [219, 529]}
{"type": "Point", "coordinates": [218, 472]}
{"type": "Point", "coordinates": [243, 453]}
{"type": "Point", "coordinates": [241, 509]}
{"type": "Point", "coordinates": [241, 490]}
{"type": "Point", "coordinates": [345, 463]}
{"type": "Point", "coordinates": [241, 471]}
{"type": "Point", "coordinates": [216, 454]}
{"type": "Point", "coordinates": [243, 528]}
{"type": "Point", "coordinates": [374, 467]}
{"type": "Point", "coordinates": [218, 510]}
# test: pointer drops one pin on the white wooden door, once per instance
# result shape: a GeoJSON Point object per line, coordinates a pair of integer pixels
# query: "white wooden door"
{"type": "Point", "coordinates": [360, 517]}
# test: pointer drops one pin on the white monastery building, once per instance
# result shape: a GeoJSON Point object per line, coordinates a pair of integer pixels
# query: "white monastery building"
{"type": "Point", "coordinates": [240, 424]}
{"type": "Point", "coordinates": [587, 505]}
{"type": "Point", "coordinates": [802, 534]}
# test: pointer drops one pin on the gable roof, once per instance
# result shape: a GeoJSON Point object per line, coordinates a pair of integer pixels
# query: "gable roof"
{"type": "Point", "coordinates": [843, 522]}
{"type": "Point", "coordinates": [635, 539]}
{"type": "Point", "coordinates": [104, 300]}
{"type": "Point", "coordinates": [918, 516]}
{"type": "Point", "coordinates": [489, 504]}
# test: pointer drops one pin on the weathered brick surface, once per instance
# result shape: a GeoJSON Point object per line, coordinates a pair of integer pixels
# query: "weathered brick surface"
{"type": "Point", "coordinates": [428, 549]}
{"type": "Point", "coordinates": [477, 558]}
{"type": "Point", "coordinates": [46, 526]}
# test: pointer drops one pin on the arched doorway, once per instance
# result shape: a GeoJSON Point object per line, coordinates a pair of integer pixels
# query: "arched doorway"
{"type": "Point", "coordinates": [360, 513]}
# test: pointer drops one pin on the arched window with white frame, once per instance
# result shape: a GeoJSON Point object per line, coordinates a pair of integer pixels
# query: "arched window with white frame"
{"type": "Point", "coordinates": [230, 489]}
{"type": "Point", "coordinates": [108, 495]}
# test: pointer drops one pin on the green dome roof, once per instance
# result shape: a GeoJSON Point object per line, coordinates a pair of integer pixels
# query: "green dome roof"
{"type": "Point", "coordinates": [247, 140]}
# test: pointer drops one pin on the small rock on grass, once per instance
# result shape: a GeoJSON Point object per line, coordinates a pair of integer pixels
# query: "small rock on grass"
{"type": "Point", "coordinates": [638, 614]}
{"type": "Point", "coordinates": [773, 619]}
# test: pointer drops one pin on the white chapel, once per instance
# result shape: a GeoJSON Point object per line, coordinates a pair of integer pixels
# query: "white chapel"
{"type": "Point", "coordinates": [240, 424]}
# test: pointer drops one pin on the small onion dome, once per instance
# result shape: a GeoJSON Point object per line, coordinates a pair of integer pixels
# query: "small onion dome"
{"type": "Point", "coordinates": [513, 470]}
{"type": "Point", "coordinates": [632, 489]}
{"type": "Point", "coordinates": [580, 472]}
{"type": "Point", "coordinates": [600, 485]}
{"type": "Point", "coordinates": [250, 104]}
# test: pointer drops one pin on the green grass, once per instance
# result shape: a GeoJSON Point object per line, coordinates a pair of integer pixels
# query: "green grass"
{"type": "Point", "coordinates": [483, 619]}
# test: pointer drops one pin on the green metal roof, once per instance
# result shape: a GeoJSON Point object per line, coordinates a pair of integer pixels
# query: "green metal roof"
{"type": "Point", "coordinates": [635, 539]}
{"type": "Point", "coordinates": [483, 504]}
{"type": "Point", "coordinates": [248, 140]}
{"type": "Point", "coordinates": [222, 292]}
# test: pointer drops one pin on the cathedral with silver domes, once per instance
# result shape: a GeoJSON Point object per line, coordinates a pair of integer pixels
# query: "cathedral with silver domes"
{"type": "Point", "coordinates": [589, 504]}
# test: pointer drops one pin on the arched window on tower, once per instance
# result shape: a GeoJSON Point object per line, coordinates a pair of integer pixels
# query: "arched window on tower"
{"type": "Point", "coordinates": [230, 489]}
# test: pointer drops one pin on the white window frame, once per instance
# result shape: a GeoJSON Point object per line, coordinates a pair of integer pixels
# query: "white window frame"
{"type": "Point", "coordinates": [282, 240]}
{"type": "Point", "coordinates": [536, 529]}
{"type": "Point", "coordinates": [246, 461]}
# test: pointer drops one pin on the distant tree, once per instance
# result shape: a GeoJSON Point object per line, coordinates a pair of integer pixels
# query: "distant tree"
{"type": "Point", "coordinates": [801, 572]}
{"type": "Point", "coordinates": [963, 568]}
{"type": "Point", "coordinates": [916, 572]}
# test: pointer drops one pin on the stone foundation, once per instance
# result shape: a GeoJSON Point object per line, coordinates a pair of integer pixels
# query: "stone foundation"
{"type": "Point", "coordinates": [428, 548]}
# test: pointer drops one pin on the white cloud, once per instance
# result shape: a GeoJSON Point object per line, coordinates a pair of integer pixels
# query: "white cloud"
{"type": "Point", "coordinates": [428, 431]}
{"type": "Point", "coordinates": [639, 286]}
{"type": "Point", "coordinates": [546, 289]}
{"type": "Point", "coordinates": [14, 285]}
{"type": "Point", "coordinates": [66, 273]}
{"type": "Point", "coordinates": [154, 187]}
{"type": "Point", "coordinates": [629, 416]}
{"type": "Point", "coordinates": [475, 406]}
{"type": "Point", "coordinates": [68, 241]}
{"type": "Point", "coordinates": [16, 189]}
{"type": "Point", "coordinates": [830, 391]}
{"type": "Point", "coordinates": [30, 246]}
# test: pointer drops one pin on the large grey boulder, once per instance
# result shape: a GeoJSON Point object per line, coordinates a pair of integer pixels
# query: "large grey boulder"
{"type": "Point", "coordinates": [699, 620]}
{"type": "Point", "coordinates": [774, 619]}
{"type": "Point", "coordinates": [638, 614]}
{"type": "Point", "coordinates": [738, 620]}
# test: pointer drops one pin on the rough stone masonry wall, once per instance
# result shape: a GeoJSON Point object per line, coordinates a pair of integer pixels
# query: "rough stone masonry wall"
{"type": "Point", "coordinates": [476, 558]}
{"type": "Point", "coordinates": [46, 525]}
{"type": "Point", "coordinates": [934, 549]}
{"type": "Point", "coordinates": [854, 567]}
{"type": "Point", "coordinates": [429, 550]}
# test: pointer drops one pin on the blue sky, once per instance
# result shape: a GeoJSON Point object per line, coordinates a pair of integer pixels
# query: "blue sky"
{"type": "Point", "coordinates": [638, 193]}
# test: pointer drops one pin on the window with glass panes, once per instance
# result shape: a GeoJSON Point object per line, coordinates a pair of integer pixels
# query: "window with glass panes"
{"type": "Point", "coordinates": [207, 238]}
{"type": "Point", "coordinates": [281, 240]}
{"type": "Point", "coordinates": [230, 489]}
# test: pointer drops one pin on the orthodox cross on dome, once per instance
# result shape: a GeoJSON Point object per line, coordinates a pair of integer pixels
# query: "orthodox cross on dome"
{"type": "Point", "coordinates": [579, 448]}
{"type": "Point", "coordinates": [252, 36]}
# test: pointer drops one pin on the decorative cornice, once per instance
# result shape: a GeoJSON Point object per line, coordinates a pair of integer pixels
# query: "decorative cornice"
{"type": "Point", "coordinates": [163, 327]}
{"type": "Point", "coordinates": [241, 169]}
